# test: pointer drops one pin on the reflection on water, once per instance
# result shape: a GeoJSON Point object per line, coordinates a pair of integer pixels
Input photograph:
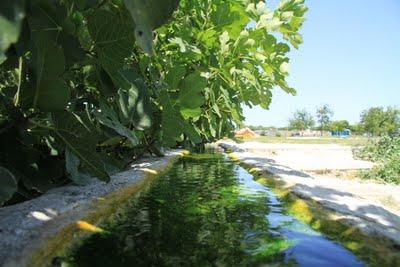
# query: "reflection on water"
{"type": "Point", "coordinates": [207, 211]}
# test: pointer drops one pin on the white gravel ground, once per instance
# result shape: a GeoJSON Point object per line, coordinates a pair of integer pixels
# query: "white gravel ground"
{"type": "Point", "coordinates": [309, 156]}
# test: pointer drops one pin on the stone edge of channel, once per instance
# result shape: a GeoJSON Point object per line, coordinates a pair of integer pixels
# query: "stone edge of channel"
{"type": "Point", "coordinates": [26, 227]}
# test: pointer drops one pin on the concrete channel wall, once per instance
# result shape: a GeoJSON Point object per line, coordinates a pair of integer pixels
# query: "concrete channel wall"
{"type": "Point", "coordinates": [33, 231]}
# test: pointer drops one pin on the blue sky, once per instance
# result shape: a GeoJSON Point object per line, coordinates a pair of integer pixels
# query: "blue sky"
{"type": "Point", "coordinates": [350, 60]}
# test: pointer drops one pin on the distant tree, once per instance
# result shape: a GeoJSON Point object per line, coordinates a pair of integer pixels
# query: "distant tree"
{"type": "Point", "coordinates": [379, 121]}
{"type": "Point", "coordinates": [324, 115]}
{"type": "Point", "coordinates": [301, 120]}
{"type": "Point", "coordinates": [339, 126]}
{"type": "Point", "coordinates": [357, 129]}
{"type": "Point", "coordinates": [257, 128]}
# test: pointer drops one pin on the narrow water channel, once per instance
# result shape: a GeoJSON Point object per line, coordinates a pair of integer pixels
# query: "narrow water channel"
{"type": "Point", "coordinates": [207, 211]}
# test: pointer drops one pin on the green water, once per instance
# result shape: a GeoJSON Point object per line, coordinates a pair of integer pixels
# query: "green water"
{"type": "Point", "coordinates": [207, 211]}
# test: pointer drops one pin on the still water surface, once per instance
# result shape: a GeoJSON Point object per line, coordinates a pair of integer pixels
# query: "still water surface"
{"type": "Point", "coordinates": [208, 211]}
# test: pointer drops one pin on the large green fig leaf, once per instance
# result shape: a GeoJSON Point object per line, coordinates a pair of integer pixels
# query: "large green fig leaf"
{"type": "Point", "coordinates": [173, 124]}
{"type": "Point", "coordinates": [148, 15]}
{"type": "Point", "coordinates": [8, 185]}
{"type": "Point", "coordinates": [73, 51]}
{"type": "Point", "coordinates": [48, 58]}
{"type": "Point", "coordinates": [153, 13]}
{"type": "Point", "coordinates": [49, 173]}
{"type": "Point", "coordinates": [174, 76]}
{"type": "Point", "coordinates": [191, 88]}
{"type": "Point", "coordinates": [113, 39]}
{"type": "Point", "coordinates": [108, 117]}
{"type": "Point", "coordinates": [72, 163]}
{"type": "Point", "coordinates": [46, 19]}
{"type": "Point", "coordinates": [190, 112]}
{"type": "Point", "coordinates": [230, 16]}
{"type": "Point", "coordinates": [134, 100]}
{"type": "Point", "coordinates": [191, 94]}
{"type": "Point", "coordinates": [11, 16]}
{"type": "Point", "coordinates": [80, 140]}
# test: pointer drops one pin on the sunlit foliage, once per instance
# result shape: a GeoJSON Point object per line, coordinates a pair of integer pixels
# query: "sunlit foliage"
{"type": "Point", "coordinates": [79, 98]}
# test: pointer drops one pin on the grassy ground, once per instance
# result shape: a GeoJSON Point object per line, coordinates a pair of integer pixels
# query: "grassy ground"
{"type": "Point", "coordinates": [350, 141]}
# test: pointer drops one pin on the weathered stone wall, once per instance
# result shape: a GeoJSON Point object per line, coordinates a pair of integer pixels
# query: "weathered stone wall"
{"type": "Point", "coordinates": [33, 231]}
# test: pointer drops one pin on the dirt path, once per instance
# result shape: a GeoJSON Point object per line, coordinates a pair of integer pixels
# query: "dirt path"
{"type": "Point", "coordinates": [309, 156]}
{"type": "Point", "coordinates": [372, 207]}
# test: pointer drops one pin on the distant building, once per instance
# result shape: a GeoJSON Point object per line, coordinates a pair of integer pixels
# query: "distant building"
{"type": "Point", "coordinates": [306, 133]}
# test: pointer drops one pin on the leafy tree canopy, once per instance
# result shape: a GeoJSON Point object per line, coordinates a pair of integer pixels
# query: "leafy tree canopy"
{"type": "Point", "coordinates": [339, 126]}
{"type": "Point", "coordinates": [301, 120]}
{"type": "Point", "coordinates": [324, 114]}
{"type": "Point", "coordinates": [80, 98]}
{"type": "Point", "coordinates": [379, 121]}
